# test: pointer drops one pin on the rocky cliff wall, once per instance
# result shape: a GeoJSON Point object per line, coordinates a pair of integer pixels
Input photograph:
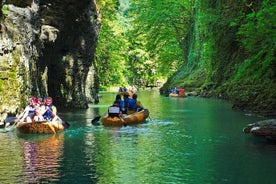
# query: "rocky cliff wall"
{"type": "Point", "coordinates": [47, 49]}
{"type": "Point", "coordinates": [219, 65]}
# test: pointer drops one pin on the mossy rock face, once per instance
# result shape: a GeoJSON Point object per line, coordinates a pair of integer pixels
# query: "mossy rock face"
{"type": "Point", "coordinates": [47, 49]}
{"type": "Point", "coordinates": [258, 98]}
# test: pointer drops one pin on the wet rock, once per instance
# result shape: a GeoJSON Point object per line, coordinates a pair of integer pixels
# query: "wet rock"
{"type": "Point", "coordinates": [266, 129]}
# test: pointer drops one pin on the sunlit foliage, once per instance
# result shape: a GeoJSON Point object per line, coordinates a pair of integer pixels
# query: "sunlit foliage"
{"type": "Point", "coordinates": [112, 45]}
{"type": "Point", "coordinates": [141, 41]}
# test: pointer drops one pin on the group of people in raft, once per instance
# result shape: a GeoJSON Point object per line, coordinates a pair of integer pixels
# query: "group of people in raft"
{"type": "Point", "coordinates": [39, 109]}
{"type": "Point", "coordinates": [126, 106]}
{"type": "Point", "coordinates": [179, 91]}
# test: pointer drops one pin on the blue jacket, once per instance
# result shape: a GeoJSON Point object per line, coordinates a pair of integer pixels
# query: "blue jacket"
{"type": "Point", "coordinates": [48, 114]}
{"type": "Point", "coordinates": [132, 104]}
{"type": "Point", "coordinates": [121, 105]}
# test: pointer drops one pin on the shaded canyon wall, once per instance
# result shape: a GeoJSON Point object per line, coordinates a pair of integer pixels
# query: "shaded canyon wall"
{"type": "Point", "coordinates": [47, 49]}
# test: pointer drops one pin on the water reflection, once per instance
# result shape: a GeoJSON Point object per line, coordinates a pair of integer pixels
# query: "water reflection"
{"type": "Point", "coordinates": [191, 140]}
{"type": "Point", "coordinates": [10, 154]}
{"type": "Point", "coordinates": [41, 157]}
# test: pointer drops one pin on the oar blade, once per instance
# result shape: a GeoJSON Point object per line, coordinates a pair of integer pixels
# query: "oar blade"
{"type": "Point", "coordinates": [10, 120]}
{"type": "Point", "coordinates": [65, 124]}
{"type": "Point", "coordinates": [96, 120]}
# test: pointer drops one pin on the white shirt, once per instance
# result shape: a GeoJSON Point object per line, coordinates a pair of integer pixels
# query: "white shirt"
{"type": "Point", "coordinates": [114, 109]}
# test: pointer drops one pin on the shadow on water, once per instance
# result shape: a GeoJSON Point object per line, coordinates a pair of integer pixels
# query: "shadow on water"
{"type": "Point", "coordinates": [260, 143]}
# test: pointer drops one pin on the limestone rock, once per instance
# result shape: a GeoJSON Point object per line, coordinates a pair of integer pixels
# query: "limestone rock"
{"type": "Point", "coordinates": [266, 129]}
{"type": "Point", "coordinates": [47, 49]}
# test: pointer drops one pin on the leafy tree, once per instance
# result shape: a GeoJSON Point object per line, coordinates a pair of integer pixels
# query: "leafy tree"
{"type": "Point", "coordinates": [141, 41]}
{"type": "Point", "coordinates": [159, 28]}
{"type": "Point", "coordinates": [257, 35]}
{"type": "Point", "coordinates": [112, 46]}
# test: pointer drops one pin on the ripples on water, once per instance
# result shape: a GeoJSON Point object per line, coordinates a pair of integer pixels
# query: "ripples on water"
{"type": "Point", "coordinates": [189, 140]}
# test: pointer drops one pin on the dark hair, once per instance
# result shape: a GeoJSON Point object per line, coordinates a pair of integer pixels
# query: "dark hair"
{"type": "Point", "coordinates": [116, 102]}
{"type": "Point", "coordinates": [134, 96]}
{"type": "Point", "coordinates": [118, 97]}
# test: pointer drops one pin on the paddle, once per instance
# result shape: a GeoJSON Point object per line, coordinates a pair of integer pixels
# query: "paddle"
{"type": "Point", "coordinates": [150, 118]}
{"type": "Point", "coordinates": [96, 120]}
{"type": "Point", "coordinates": [8, 120]}
{"type": "Point", "coordinates": [64, 123]}
{"type": "Point", "coordinates": [144, 108]}
{"type": "Point", "coordinates": [12, 119]}
{"type": "Point", "coordinates": [124, 122]}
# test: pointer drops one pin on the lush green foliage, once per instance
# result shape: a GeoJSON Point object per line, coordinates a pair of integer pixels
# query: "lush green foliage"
{"type": "Point", "coordinates": [112, 49]}
{"type": "Point", "coordinates": [215, 47]}
{"type": "Point", "coordinates": [231, 53]}
{"type": "Point", "coordinates": [159, 29]}
{"type": "Point", "coordinates": [143, 42]}
{"type": "Point", "coordinates": [258, 36]}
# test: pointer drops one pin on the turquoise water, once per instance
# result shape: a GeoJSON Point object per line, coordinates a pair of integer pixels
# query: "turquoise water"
{"type": "Point", "coordinates": [191, 140]}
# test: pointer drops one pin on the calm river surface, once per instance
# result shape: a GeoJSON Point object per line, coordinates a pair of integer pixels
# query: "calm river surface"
{"type": "Point", "coordinates": [191, 140]}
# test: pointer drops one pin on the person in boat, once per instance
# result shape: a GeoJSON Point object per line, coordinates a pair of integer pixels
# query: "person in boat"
{"type": "Point", "coordinates": [50, 110]}
{"type": "Point", "coordinates": [121, 102]}
{"type": "Point", "coordinates": [114, 110]}
{"type": "Point", "coordinates": [176, 90]}
{"type": "Point", "coordinates": [134, 105]}
{"type": "Point", "coordinates": [40, 110]}
{"type": "Point", "coordinates": [29, 112]}
{"type": "Point", "coordinates": [125, 105]}
{"type": "Point", "coordinates": [182, 91]}
{"type": "Point", "coordinates": [132, 89]}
